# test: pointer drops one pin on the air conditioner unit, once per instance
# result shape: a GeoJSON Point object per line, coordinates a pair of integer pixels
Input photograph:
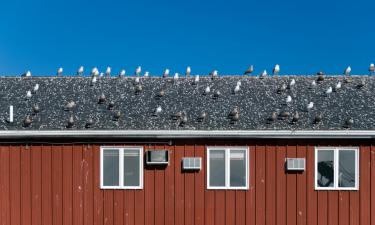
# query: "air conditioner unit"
{"type": "Point", "coordinates": [295, 164]}
{"type": "Point", "coordinates": [157, 157]}
{"type": "Point", "coordinates": [191, 163]}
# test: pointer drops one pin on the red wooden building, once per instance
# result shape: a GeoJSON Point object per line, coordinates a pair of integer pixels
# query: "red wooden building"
{"type": "Point", "coordinates": [278, 150]}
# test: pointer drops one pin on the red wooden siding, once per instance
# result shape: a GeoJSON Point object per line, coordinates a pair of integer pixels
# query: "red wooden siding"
{"type": "Point", "coordinates": [59, 185]}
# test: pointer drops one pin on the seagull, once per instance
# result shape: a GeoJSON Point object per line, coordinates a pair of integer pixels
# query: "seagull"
{"type": "Point", "coordinates": [147, 74]}
{"type": "Point", "coordinates": [207, 90]}
{"type": "Point", "coordinates": [28, 94]}
{"type": "Point", "coordinates": [175, 76]}
{"type": "Point", "coordinates": [196, 79]}
{"type": "Point", "coordinates": [310, 105]}
{"type": "Point", "coordinates": [80, 70]}
{"type": "Point", "coordinates": [93, 81]}
{"type": "Point", "coordinates": [36, 87]}
{"type": "Point", "coordinates": [138, 71]}
{"type": "Point", "coordinates": [136, 80]}
{"type": "Point", "coordinates": [70, 105]}
{"type": "Point", "coordinates": [27, 74]}
{"type": "Point", "coordinates": [214, 73]}
{"type": "Point", "coordinates": [101, 75]}
{"type": "Point", "coordinates": [338, 85]}
{"type": "Point", "coordinates": [249, 70]}
{"type": "Point", "coordinates": [108, 71]}
{"type": "Point", "coordinates": [122, 73]}
{"type": "Point", "coordinates": [292, 82]}
{"type": "Point", "coordinates": [94, 71]}
{"type": "Point", "coordinates": [158, 110]}
{"type": "Point", "coordinates": [188, 71]}
{"type": "Point", "coordinates": [264, 74]}
{"type": "Point", "coordinates": [276, 69]}
{"type": "Point", "coordinates": [313, 83]}
{"type": "Point", "coordinates": [288, 99]}
{"type": "Point", "coordinates": [347, 71]}
{"type": "Point", "coordinates": [238, 83]}
{"type": "Point", "coordinates": [166, 73]}
{"type": "Point", "coordinates": [371, 68]}
{"type": "Point", "coordinates": [329, 91]}
{"type": "Point", "coordinates": [59, 71]}
{"type": "Point", "coordinates": [237, 89]}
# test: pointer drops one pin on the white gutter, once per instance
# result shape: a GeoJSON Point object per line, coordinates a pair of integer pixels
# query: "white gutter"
{"type": "Point", "coordinates": [214, 134]}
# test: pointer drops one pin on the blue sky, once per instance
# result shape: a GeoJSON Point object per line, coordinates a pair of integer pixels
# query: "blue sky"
{"type": "Point", "coordinates": [302, 36]}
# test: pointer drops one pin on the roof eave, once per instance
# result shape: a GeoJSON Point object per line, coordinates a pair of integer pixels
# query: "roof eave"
{"type": "Point", "coordinates": [210, 134]}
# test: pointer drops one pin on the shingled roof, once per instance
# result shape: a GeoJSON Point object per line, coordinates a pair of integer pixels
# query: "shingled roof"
{"type": "Point", "coordinates": [134, 104]}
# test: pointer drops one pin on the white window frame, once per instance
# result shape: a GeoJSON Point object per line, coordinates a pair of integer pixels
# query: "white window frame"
{"type": "Point", "coordinates": [121, 167]}
{"type": "Point", "coordinates": [336, 151]}
{"type": "Point", "coordinates": [227, 167]}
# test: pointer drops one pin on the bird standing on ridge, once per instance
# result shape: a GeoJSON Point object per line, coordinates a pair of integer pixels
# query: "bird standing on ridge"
{"type": "Point", "coordinates": [166, 73]}
{"type": "Point", "coordinates": [214, 74]}
{"type": "Point", "coordinates": [138, 71]}
{"type": "Point", "coordinates": [249, 70]}
{"type": "Point", "coordinates": [175, 76]}
{"type": "Point", "coordinates": [264, 74]}
{"type": "Point", "coordinates": [188, 71]}
{"type": "Point", "coordinates": [122, 73]}
{"type": "Point", "coordinates": [276, 69]}
{"type": "Point", "coordinates": [27, 74]}
{"type": "Point", "coordinates": [347, 71]}
{"type": "Point", "coordinates": [146, 74]}
{"type": "Point", "coordinates": [108, 71]}
{"type": "Point", "coordinates": [94, 71]}
{"type": "Point", "coordinates": [59, 71]}
{"type": "Point", "coordinates": [80, 71]}
{"type": "Point", "coordinates": [371, 69]}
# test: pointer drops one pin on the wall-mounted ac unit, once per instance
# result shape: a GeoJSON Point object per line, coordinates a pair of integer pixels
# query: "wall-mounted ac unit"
{"type": "Point", "coordinates": [157, 157]}
{"type": "Point", "coordinates": [191, 163]}
{"type": "Point", "coordinates": [295, 164]}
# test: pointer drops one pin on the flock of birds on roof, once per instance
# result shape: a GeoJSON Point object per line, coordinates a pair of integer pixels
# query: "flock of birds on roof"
{"type": "Point", "coordinates": [181, 116]}
{"type": "Point", "coordinates": [96, 74]}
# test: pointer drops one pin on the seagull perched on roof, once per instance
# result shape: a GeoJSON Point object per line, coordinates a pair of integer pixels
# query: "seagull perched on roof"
{"type": "Point", "coordinates": [347, 71]}
{"type": "Point", "coordinates": [36, 87]}
{"type": "Point", "coordinates": [28, 94]}
{"type": "Point", "coordinates": [122, 73]}
{"type": "Point", "coordinates": [188, 71]}
{"type": "Point", "coordinates": [329, 91]}
{"type": "Point", "coordinates": [249, 70]}
{"type": "Point", "coordinates": [157, 110]}
{"type": "Point", "coordinates": [138, 71]}
{"type": "Point", "coordinates": [94, 71]}
{"type": "Point", "coordinates": [59, 71]}
{"type": "Point", "coordinates": [93, 81]}
{"type": "Point", "coordinates": [146, 74]}
{"type": "Point", "coordinates": [236, 89]}
{"type": "Point", "coordinates": [108, 71]}
{"type": "Point", "coordinates": [292, 82]}
{"type": "Point", "coordinates": [175, 76]}
{"type": "Point", "coordinates": [310, 105]}
{"type": "Point", "coordinates": [338, 85]}
{"type": "Point", "coordinates": [166, 73]}
{"type": "Point", "coordinates": [276, 69]}
{"type": "Point", "coordinates": [207, 90]}
{"type": "Point", "coordinates": [371, 68]}
{"type": "Point", "coordinates": [80, 70]}
{"type": "Point", "coordinates": [196, 79]}
{"type": "Point", "coordinates": [264, 74]}
{"type": "Point", "coordinates": [214, 74]}
{"type": "Point", "coordinates": [288, 99]}
{"type": "Point", "coordinates": [27, 74]}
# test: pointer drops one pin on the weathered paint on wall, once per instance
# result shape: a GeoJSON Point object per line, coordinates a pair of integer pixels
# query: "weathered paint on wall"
{"type": "Point", "coordinates": [59, 185]}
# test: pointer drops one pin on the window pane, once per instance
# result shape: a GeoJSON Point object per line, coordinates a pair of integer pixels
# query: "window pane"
{"type": "Point", "coordinates": [111, 167]}
{"type": "Point", "coordinates": [217, 168]}
{"type": "Point", "coordinates": [237, 168]}
{"type": "Point", "coordinates": [131, 167]}
{"type": "Point", "coordinates": [325, 165]}
{"type": "Point", "coordinates": [346, 168]}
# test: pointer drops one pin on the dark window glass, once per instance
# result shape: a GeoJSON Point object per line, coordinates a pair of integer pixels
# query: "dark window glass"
{"type": "Point", "coordinates": [347, 168]}
{"type": "Point", "coordinates": [111, 167]}
{"type": "Point", "coordinates": [131, 168]}
{"type": "Point", "coordinates": [237, 168]}
{"type": "Point", "coordinates": [217, 168]}
{"type": "Point", "coordinates": [325, 165]}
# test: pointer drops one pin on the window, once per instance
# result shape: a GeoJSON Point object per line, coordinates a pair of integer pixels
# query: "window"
{"type": "Point", "coordinates": [227, 168]}
{"type": "Point", "coordinates": [336, 168]}
{"type": "Point", "coordinates": [121, 168]}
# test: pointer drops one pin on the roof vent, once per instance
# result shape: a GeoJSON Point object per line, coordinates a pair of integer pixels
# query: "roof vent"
{"type": "Point", "coordinates": [191, 163]}
{"type": "Point", "coordinates": [295, 164]}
